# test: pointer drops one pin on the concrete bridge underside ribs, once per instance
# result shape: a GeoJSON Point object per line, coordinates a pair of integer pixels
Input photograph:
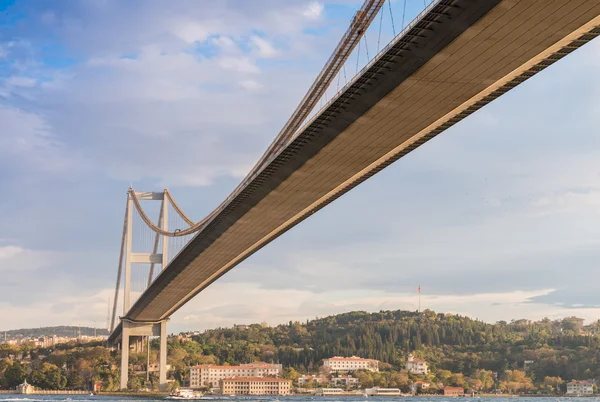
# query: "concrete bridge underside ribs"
{"type": "Point", "coordinates": [456, 58]}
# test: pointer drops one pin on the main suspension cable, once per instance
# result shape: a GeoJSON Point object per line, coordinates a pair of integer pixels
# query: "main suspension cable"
{"type": "Point", "coordinates": [178, 210]}
{"type": "Point", "coordinates": [178, 232]}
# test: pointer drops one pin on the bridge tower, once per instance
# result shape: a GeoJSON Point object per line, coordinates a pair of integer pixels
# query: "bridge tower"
{"type": "Point", "coordinates": [134, 332]}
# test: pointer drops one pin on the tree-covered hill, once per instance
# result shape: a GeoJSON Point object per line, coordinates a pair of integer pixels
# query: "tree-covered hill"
{"type": "Point", "coordinates": [562, 348]}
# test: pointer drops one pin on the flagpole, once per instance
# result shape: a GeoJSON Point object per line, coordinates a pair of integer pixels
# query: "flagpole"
{"type": "Point", "coordinates": [419, 299]}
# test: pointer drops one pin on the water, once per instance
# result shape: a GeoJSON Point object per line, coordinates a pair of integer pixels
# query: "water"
{"type": "Point", "coordinates": [101, 398]}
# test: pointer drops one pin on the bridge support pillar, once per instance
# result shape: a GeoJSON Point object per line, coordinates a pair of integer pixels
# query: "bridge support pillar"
{"type": "Point", "coordinates": [162, 359]}
{"type": "Point", "coordinates": [125, 355]}
{"type": "Point", "coordinates": [141, 329]}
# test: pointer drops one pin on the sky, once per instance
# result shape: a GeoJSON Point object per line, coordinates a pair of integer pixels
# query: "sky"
{"type": "Point", "coordinates": [498, 218]}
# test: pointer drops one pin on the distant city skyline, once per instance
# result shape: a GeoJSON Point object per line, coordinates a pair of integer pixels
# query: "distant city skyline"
{"type": "Point", "coordinates": [496, 219]}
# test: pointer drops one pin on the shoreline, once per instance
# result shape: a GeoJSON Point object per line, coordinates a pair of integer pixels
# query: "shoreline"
{"type": "Point", "coordinates": [152, 394]}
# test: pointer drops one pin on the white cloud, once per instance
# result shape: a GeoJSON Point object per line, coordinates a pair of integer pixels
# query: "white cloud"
{"type": "Point", "coordinates": [28, 137]}
{"type": "Point", "coordinates": [228, 304]}
{"type": "Point", "coordinates": [8, 252]}
{"type": "Point", "coordinates": [240, 64]}
{"type": "Point", "coordinates": [191, 32]}
{"type": "Point", "coordinates": [568, 202]}
{"type": "Point", "coordinates": [265, 49]}
{"type": "Point", "coordinates": [17, 81]}
{"type": "Point", "coordinates": [63, 309]}
{"type": "Point", "coordinates": [313, 10]}
{"type": "Point", "coordinates": [250, 85]}
{"type": "Point", "coordinates": [20, 260]}
{"type": "Point", "coordinates": [224, 42]}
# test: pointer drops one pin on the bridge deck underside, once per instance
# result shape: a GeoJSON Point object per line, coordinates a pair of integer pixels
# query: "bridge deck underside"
{"type": "Point", "coordinates": [415, 91]}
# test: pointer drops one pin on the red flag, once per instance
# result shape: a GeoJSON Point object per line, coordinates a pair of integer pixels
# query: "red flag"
{"type": "Point", "coordinates": [419, 288]}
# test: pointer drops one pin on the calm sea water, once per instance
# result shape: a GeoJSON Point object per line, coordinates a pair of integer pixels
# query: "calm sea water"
{"type": "Point", "coordinates": [81, 398]}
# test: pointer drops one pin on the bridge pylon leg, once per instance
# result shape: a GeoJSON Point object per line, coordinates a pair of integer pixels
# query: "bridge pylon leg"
{"type": "Point", "coordinates": [125, 355]}
{"type": "Point", "coordinates": [162, 360]}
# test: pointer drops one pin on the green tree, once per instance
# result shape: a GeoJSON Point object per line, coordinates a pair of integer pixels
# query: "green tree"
{"type": "Point", "coordinates": [443, 376]}
{"type": "Point", "coordinates": [552, 384]}
{"type": "Point", "coordinates": [291, 374]}
{"type": "Point", "coordinates": [15, 375]}
{"type": "Point", "coordinates": [134, 382]}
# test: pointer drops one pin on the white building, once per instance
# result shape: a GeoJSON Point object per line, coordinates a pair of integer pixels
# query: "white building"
{"type": "Point", "coordinates": [383, 391]}
{"type": "Point", "coordinates": [416, 366]}
{"type": "Point", "coordinates": [329, 391]}
{"type": "Point", "coordinates": [255, 386]}
{"type": "Point", "coordinates": [580, 387]}
{"type": "Point", "coordinates": [207, 375]}
{"type": "Point", "coordinates": [25, 388]}
{"type": "Point", "coordinates": [348, 364]}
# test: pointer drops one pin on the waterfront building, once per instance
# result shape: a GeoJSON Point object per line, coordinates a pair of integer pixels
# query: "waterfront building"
{"type": "Point", "coordinates": [383, 391]}
{"type": "Point", "coordinates": [329, 391]}
{"type": "Point", "coordinates": [416, 366]}
{"type": "Point", "coordinates": [454, 391]}
{"type": "Point", "coordinates": [348, 364]}
{"type": "Point", "coordinates": [207, 375]}
{"type": "Point", "coordinates": [25, 388]}
{"type": "Point", "coordinates": [580, 387]}
{"type": "Point", "coordinates": [255, 386]}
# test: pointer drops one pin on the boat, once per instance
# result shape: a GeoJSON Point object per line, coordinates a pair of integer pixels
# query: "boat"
{"type": "Point", "coordinates": [184, 394]}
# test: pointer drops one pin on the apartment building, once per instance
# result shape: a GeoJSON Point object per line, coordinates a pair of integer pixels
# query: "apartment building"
{"type": "Point", "coordinates": [580, 387]}
{"type": "Point", "coordinates": [255, 386]}
{"type": "Point", "coordinates": [209, 375]}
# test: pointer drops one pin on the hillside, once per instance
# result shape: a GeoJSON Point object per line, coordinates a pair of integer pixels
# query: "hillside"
{"type": "Point", "coordinates": [562, 348]}
{"type": "Point", "coordinates": [61, 331]}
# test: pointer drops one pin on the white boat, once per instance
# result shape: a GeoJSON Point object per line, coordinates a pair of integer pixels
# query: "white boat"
{"type": "Point", "coordinates": [184, 394]}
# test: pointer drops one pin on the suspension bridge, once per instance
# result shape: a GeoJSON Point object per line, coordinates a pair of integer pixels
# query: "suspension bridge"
{"type": "Point", "coordinates": [454, 58]}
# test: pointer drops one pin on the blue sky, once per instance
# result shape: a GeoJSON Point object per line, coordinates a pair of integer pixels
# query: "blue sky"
{"type": "Point", "coordinates": [497, 218]}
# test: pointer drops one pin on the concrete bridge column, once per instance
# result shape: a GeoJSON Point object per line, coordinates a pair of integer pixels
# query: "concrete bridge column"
{"type": "Point", "coordinates": [162, 360]}
{"type": "Point", "coordinates": [141, 329]}
{"type": "Point", "coordinates": [125, 355]}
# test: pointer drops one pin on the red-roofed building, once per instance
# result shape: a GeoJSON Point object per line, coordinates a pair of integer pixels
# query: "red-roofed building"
{"type": "Point", "coordinates": [454, 391]}
{"type": "Point", "coordinates": [347, 364]}
{"type": "Point", "coordinates": [255, 386]}
{"type": "Point", "coordinates": [207, 375]}
{"type": "Point", "coordinates": [585, 387]}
